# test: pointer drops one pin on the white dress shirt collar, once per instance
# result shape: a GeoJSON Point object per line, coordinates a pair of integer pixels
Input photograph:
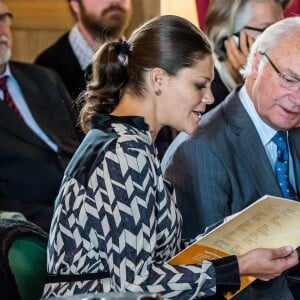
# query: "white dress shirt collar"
{"type": "Point", "coordinates": [264, 131]}
{"type": "Point", "coordinates": [82, 50]}
{"type": "Point", "coordinates": [7, 72]}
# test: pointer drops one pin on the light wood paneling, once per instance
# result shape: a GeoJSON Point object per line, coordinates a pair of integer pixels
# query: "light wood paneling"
{"type": "Point", "coordinates": [186, 9]}
{"type": "Point", "coordinates": [143, 10]}
{"type": "Point", "coordinates": [36, 25]}
{"type": "Point", "coordinates": [40, 14]}
{"type": "Point", "coordinates": [27, 44]}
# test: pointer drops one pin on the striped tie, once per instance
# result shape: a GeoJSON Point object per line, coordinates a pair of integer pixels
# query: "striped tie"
{"type": "Point", "coordinates": [7, 99]}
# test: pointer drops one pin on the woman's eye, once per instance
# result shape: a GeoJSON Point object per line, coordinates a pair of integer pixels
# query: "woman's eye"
{"type": "Point", "coordinates": [200, 86]}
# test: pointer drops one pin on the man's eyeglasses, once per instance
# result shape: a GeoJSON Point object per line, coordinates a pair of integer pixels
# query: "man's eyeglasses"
{"type": "Point", "coordinates": [5, 16]}
{"type": "Point", "coordinates": [255, 28]}
{"type": "Point", "coordinates": [287, 81]}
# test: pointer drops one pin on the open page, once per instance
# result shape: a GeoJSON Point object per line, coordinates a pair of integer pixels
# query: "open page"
{"type": "Point", "coordinates": [270, 222]}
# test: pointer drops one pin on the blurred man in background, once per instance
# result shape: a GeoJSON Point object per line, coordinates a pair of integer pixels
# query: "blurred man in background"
{"type": "Point", "coordinates": [37, 133]}
{"type": "Point", "coordinates": [95, 22]}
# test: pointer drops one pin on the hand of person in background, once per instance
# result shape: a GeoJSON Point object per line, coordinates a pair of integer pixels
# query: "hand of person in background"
{"type": "Point", "coordinates": [237, 53]}
{"type": "Point", "coordinates": [266, 264]}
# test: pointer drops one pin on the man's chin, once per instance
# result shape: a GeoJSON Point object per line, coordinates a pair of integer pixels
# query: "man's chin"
{"type": "Point", "coordinates": [114, 23]}
{"type": "Point", "coordinates": [5, 56]}
{"type": "Point", "coordinates": [111, 33]}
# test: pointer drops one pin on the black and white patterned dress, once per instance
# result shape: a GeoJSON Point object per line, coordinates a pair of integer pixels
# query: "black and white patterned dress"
{"type": "Point", "coordinates": [115, 214]}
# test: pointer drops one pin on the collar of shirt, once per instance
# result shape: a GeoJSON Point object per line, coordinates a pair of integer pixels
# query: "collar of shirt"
{"type": "Point", "coordinates": [81, 48]}
{"type": "Point", "coordinates": [7, 72]}
{"type": "Point", "coordinates": [264, 131]}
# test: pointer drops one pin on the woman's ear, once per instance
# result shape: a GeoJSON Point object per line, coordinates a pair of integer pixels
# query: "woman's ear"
{"type": "Point", "coordinates": [156, 80]}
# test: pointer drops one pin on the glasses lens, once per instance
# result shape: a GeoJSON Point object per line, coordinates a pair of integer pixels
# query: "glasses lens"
{"type": "Point", "coordinates": [290, 83]}
{"type": "Point", "coordinates": [5, 16]}
{"type": "Point", "coordinates": [260, 30]}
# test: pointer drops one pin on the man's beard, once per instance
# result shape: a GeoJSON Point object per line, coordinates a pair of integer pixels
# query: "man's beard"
{"type": "Point", "coordinates": [5, 51]}
{"type": "Point", "coordinates": [102, 26]}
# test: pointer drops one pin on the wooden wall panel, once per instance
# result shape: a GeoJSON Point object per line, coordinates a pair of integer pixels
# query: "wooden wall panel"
{"type": "Point", "coordinates": [27, 44]}
{"type": "Point", "coordinates": [143, 10]}
{"type": "Point", "coordinates": [40, 14]}
{"type": "Point", "coordinates": [36, 25]}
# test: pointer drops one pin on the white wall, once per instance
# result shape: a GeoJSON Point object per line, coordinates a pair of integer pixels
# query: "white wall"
{"type": "Point", "coordinates": [183, 8]}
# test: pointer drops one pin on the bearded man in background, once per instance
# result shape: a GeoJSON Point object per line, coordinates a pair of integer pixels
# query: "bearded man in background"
{"type": "Point", "coordinates": [96, 22]}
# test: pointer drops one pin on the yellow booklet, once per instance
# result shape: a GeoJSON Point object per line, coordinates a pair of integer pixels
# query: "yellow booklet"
{"type": "Point", "coordinates": [270, 222]}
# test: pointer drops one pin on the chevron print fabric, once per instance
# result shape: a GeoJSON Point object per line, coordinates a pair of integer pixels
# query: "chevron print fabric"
{"type": "Point", "coordinates": [119, 217]}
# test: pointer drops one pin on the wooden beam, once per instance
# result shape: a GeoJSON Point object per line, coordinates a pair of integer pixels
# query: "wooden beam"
{"type": "Point", "coordinates": [40, 14]}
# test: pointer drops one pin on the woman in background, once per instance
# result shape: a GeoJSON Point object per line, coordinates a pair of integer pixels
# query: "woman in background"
{"type": "Point", "coordinates": [232, 27]}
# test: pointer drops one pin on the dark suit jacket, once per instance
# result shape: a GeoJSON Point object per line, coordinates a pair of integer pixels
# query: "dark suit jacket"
{"type": "Point", "coordinates": [220, 170]}
{"type": "Point", "coordinates": [61, 58]}
{"type": "Point", "coordinates": [30, 171]}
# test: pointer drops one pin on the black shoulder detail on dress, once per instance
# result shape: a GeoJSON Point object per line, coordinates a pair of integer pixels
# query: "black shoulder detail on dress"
{"type": "Point", "coordinates": [96, 143]}
{"type": "Point", "coordinates": [89, 154]}
{"type": "Point", "coordinates": [104, 122]}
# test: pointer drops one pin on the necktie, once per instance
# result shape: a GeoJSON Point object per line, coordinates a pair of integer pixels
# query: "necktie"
{"type": "Point", "coordinates": [282, 165]}
{"type": "Point", "coordinates": [7, 97]}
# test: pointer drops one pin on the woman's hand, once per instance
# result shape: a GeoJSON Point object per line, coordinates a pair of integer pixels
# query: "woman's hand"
{"type": "Point", "coordinates": [237, 54]}
{"type": "Point", "coordinates": [266, 264]}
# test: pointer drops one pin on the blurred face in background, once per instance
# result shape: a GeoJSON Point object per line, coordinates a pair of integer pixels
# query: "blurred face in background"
{"type": "Point", "coordinates": [5, 34]}
{"type": "Point", "coordinates": [104, 18]}
{"type": "Point", "coordinates": [260, 15]}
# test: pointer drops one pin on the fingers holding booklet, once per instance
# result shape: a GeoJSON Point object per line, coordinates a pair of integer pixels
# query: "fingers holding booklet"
{"type": "Point", "coordinates": [266, 264]}
{"type": "Point", "coordinates": [264, 237]}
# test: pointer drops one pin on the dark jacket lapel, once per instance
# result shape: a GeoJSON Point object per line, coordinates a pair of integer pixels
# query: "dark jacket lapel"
{"type": "Point", "coordinates": [39, 108]}
{"type": "Point", "coordinates": [10, 122]}
{"type": "Point", "coordinates": [242, 132]}
{"type": "Point", "coordinates": [294, 142]}
{"type": "Point", "coordinates": [49, 104]}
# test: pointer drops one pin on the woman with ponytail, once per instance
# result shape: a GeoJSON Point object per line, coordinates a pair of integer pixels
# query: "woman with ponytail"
{"type": "Point", "coordinates": [116, 222]}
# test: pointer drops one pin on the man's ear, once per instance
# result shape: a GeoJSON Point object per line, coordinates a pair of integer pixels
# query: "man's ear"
{"type": "Point", "coordinates": [255, 65]}
{"type": "Point", "coordinates": [75, 7]}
